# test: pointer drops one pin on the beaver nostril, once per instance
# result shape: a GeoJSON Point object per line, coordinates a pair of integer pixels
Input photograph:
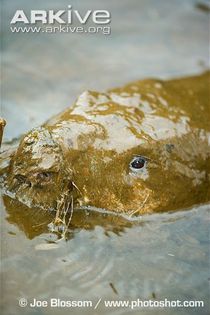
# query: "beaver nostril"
{"type": "Point", "coordinates": [21, 178]}
{"type": "Point", "coordinates": [169, 147]}
{"type": "Point", "coordinates": [44, 176]}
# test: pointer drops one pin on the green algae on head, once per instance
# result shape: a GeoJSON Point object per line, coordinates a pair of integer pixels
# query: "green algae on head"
{"type": "Point", "coordinates": [138, 149]}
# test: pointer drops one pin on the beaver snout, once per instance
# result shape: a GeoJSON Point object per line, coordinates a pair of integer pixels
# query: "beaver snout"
{"type": "Point", "coordinates": [19, 180]}
{"type": "Point", "coordinates": [36, 179]}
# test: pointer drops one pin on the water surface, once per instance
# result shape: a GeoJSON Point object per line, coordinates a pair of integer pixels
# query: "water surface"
{"type": "Point", "coordinates": [156, 256]}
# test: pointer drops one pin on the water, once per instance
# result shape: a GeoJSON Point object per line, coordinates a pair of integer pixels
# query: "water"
{"type": "Point", "coordinates": [108, 257]}
{"type": "Point", "coordinates": [44, 73]}
{"type": "Point", "coordinates": [164, 255]}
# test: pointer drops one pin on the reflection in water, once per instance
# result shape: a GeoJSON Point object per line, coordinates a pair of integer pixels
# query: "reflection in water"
{"type": "Point", "coordinates": [33, 221]}
{"type": "Point", "coordinates": [161, 256]}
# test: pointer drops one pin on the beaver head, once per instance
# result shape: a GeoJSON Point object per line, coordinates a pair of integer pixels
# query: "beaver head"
{"type": "Point", "coordinates": [126, 151]}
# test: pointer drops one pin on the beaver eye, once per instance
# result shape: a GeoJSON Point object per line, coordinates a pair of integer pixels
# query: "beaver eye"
{"type": "Point", "coordinates": [138, 163]}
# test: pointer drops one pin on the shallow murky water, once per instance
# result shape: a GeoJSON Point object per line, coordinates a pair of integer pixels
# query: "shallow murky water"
{"type": "Point", "coordinates": [108, 257]}
{"type": "Point", "coordinates": [161, 256]}
{"type": "Point", "coordinates": [44, 73]}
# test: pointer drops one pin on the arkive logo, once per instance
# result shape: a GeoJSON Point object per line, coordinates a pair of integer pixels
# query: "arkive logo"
{"type": "Point", "coordinates": [61, 21]}
{"type": "Point", "coordinates": [68, 16]}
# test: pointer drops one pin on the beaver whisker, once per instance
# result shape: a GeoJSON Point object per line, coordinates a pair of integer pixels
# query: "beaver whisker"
{"type": "Point", "coordinates": [57, 215]}
{"type": "Point", "coordinates": [142, 205]}
{"type": "Point", "coordinates": [76, 187]}
{"type": "Point", "coordinates": [72, 210]}
{"type": "Point", "coordinates": [66, 210]}
{"type": "Point", "coordinates": [59, 208]}
{"type": "Point", "coordinates": [70, 217]}
{"type": "Point", "coordinates": [62, 208]}
{"type": "Point", "coordinates": [61, 213]}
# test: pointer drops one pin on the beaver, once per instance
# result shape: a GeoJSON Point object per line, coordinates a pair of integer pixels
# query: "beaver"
{"type": "Point", "coordinates": [140, 148]}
